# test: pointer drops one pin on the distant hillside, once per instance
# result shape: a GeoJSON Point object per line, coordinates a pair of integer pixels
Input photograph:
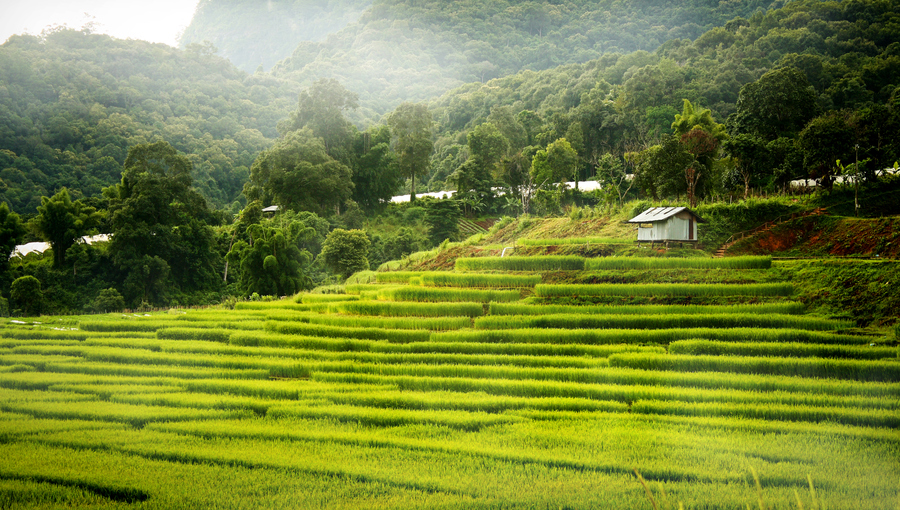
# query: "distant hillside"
{"type": "Point", "coordinates": [72, 103]}
{"type": "Point", "coordinates": [414, 49]}
{"type": "Point", "coordinates": [251, 34]}
{"type": "Point", "coordinates": [849, 53]}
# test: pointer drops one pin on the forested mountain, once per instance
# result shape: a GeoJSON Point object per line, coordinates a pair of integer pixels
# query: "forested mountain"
{"type": "Point", "coordinates": [417, 49]}
{"type": "Point", "coordinates": [73, 102]}
{"type": "Point", "coordinates": [251, 34]}
{"type": "Point", "coordinates": [847, 55]}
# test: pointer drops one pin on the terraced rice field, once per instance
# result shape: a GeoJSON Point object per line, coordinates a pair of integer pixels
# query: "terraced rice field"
{"type": "Point", "coordinates": [461, 390]}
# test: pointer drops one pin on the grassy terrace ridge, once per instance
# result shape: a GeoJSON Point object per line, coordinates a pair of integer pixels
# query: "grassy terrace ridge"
{"type": "Point", "coordinates": [486, 386]}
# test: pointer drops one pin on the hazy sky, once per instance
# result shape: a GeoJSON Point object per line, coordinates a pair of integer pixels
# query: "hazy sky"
{"type": "Point", "coordinates": [154, 20]}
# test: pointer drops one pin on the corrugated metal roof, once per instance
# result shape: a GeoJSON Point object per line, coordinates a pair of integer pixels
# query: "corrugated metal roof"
{"type": "Point", "coordinates": [655, 214]}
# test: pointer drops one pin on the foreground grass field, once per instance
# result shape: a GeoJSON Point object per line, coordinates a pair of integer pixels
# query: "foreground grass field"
{"type": "Point", "coordinates": [457, 390]}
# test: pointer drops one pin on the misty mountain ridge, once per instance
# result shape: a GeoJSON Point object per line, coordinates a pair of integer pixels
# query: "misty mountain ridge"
{"type": "Point", "coordinates": [415, 50]}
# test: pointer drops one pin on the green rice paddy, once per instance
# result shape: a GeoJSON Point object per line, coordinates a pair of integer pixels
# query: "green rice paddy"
{"type": "Point", "coordinates": [452, 390]}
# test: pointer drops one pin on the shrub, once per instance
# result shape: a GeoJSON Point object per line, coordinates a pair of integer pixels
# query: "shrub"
{"type": "Point", "coordinates": [108, 300]}
{"type": "Point", "coordinates": [26, 296]}
{"type": "Point", "coordinates": [346, 251]}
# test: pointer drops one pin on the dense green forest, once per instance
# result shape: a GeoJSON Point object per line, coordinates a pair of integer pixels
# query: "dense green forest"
{"type": "Point", "coordinates": [829, 67]}
{"type": "Point", "coordinates": [177, 152]}
{"type": "Point", "coordinates": [73, 102]}
{"type": "Point", "coordinates": [251, 35]}
{"type": "Point", "coordinates": [414, 50]}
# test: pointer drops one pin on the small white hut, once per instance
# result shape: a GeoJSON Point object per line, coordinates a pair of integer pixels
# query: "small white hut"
{"type": "Point", "coordinates": [667, 225]}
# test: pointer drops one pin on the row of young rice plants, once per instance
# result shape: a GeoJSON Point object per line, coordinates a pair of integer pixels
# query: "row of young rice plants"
{"type": "Point", "coordinates": [663, 321]}
{"type": "Point", "coordinates": [627, 263]}
{"type": "Point", "coordinates": [448, 295]}
{"type": "Point", "coordinates": [428, 323]}
{"type": "Point", "coordinates": [536, 263]}
{"type": "Point", "coordinates": [409, 309]}
{"type": "Point", "coordinates": [666, 289]}
{"type": "Point", "coordinates": [359, 321]}
{"type": "Point", "coordinates": [647, 336]}
{"type": "Point", "coordinates": [398, 277]}
{"type": "Point", "coordinates": [796, 350]}
{"type": "Point", "coordinates": [822, 368]}
{"type": "Point", "coordinates": [572, 240]}
{"type": "Point", "coordinates": [448, 279]}
{"type": "Point", "coordinates": [524, 308]}
{"type": "Point", "coordinates": [591, 354]}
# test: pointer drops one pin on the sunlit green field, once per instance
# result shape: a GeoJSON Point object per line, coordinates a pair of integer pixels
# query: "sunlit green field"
{"type": "Point", "coordinates": [460, 390]}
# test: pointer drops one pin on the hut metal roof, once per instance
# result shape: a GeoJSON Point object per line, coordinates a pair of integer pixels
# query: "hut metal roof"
{"type": "Point", "coordinates": [655, 214]}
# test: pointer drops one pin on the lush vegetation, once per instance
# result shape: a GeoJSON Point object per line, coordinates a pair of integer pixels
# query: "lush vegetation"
{"type": "Point", "coordinates": [74, 102]}
{"type": "Point", "coordinates": [362, 401]}
{"type": "Point", "coordinates": [402, 50]}
{"type": "Point", "coordinates": [431, 368]}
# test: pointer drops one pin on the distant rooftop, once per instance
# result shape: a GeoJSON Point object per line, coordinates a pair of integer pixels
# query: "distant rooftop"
{"type": "Point", "coordinates": [40, 247]}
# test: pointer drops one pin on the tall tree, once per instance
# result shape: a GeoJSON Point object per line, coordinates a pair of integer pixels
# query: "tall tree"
{"type": "Point", "coordinates": [272, 263]}
{"type": "Point", "coordinates": [476, 177]}
{"type": "Point", "coordinates": [779, 104]}
{"type": "Point", "coordinates": [555, 164]}
{"type": "Point", "coordinates": [690, 119]}
{"type": "Point", "coordinates": [376, 175]}
{"type": "Point", "coordinates": [161, 236]}
{"type": "Point", "coordinates": [321, 108]}
{"type": "Point", "coordinates": [411, 125]}
{"type": "Point", "coordinates": [297, 173]}
{"type": "Point", "coordinates": [749, 154]}
{"type": "Point", "coordinates": [703, 148]}
{"type": "Point", "coordinates": [824, 141]}
{"type": "Point", "coordinates": [12, 231]}
{"type": "Point", "coordinates": [62, 222]}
